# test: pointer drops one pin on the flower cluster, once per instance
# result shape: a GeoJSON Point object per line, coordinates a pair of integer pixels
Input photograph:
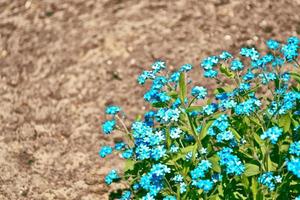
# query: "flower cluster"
{"type": "Point", "coordinates": [199, 173]}
{"type": "Point", "coordinates": [269, 180]}
{"type": "Point", "coordinates": [111, 177]}
{"type": "Point", "coordinates": [243, 142]}
{"type": "Point", "coordinates": [272, 134]}
{"type": "Point", "coordinates": [232, 163]}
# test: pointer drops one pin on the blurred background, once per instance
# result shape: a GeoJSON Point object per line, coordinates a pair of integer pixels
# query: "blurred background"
{"type": "Point", "coordinates": [63, 61]}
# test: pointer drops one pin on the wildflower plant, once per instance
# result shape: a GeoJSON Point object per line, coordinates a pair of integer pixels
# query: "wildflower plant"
{"type": "Point", "coordinates": [233, 142]}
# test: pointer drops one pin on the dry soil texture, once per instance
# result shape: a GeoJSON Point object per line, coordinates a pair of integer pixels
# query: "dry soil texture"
{"type": "Point", "coordinates": [62, 61]}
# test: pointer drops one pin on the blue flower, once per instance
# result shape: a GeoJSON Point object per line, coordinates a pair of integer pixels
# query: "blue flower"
{"type": "Point", "coordinates": [158, 65]}
{"type": "Point", "coordinates": [217, 177]}
{"type": "Point", "coordinates": [286, 76]}
{"type": "Point", "coordinates": [178, 178]}
{"type": "Point", "coordinates": [267, 77]}
{"type": "Point", "coordinates": [210, 109]}
{"type": "Point", "coordinates": [160, 169]}
{"type": "Point", "coordinates": [141, 130]}
{"type": "Point", "coordinates": [148, 197]}
{"type": "Point", "coordinates": [227, 104]}
{"type": "Point", "coordinates": [210, 73]}
{"type": "Point", "coordinates": [149, 118]}
{"type": "Point", "coordinates": [182, 187]}
{"type": "Point", "coordinates": [155, 138]}
{"type": "Point", "coordinates": [126, 195]}
{"type": "Point", "coordinates": [176, 103]}
{"type": "Point", "coordinates": [112, 110]}
{"type": "Point", "coordinates": [267, 179]}
{"type": "Point", "coordinates": [201, 169]}
{"type": "Point", "coordinates": [233, 165]}
{"type": "Point", "coordinates": [127, 154]}
{"type": "Point", "coordinates": [293, 40]}
{"type": "Point", "coordinates": [145, 76]}
{"type": "Point", "coordinates": [247, 107]}
{"type": "Point", "coordinates": [205, 185]}
{"type": "Point", "coordinates": [273, 44]}
{"type": "Point", "coordinates": [199, 92]}
{"type": "Point", "coordinates": [108, 126]}
{"type": "Point", "coordinates": [265, 60]}
{"type": "Point", "coordinates": [156, 96]}
{"type": "Point", "coordinates": [244, 87]}
{"type": "Point", "coordinates": [290, 51]}
{"type": "Point", "coordinates": [277, 62]}
{"type": "Point", "coordinates": [273, 134]}
{"type": "Point", "coordinates": [294, 166]}
{"type": "Point", "coordinates": [209, 62]}
{"type": "Point", "coordinates": [159, 82]}
{"type": "Point", "coordinates": [174, 149]}
{"type": "Point", "coordinates": [111, 177]}
{"type": "Point", "coordinates": [185, 68]}
{"type": "Point", "coordinates": [189, 156]}
{"type": "Point", "coordinates": [225, 55]}
{"type": "Point", "coordinates": [153, 180]}
{"type": "Point", "coordinates": [174, 77]}
{"type": "Point", "coordinates": [278, 179]}
{"type": "Point", "coordinates": [250, 52]}
{"type": "Point", "coordinates": [158, 152]}
{"type": "Point", "coordinates": [249, 76]}
{"type": "Point", "coordinates": [136, 186]}
{"type": "Point", "coordinates": [295, 148]}
{"type": "Point", "coordinates": [119, 145]}
{"type": "Point", "coordinates": [169, 198]}
{"type": "Point", "coordinates": [221, 123]}
{"type": "Point", "coordinates": [225, 136]}
{"type": "Point", "coordinates": [236, 65]}
{"type": "Point", "coordinates": [282, 106]}
{"type": "Point", "coordinates": [105, 150]}
{"type": "Point", "coordinates": [143, 152]}
{"type": "Point", "coordinates": [165, 115]}
{"type": "Point", "coordinates": [203, 151]}
{"type": "Point", "coordinates": [175, 132]}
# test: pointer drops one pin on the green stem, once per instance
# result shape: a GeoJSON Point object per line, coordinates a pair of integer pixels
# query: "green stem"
{"type": "Point", "coordinates": [125, 128]}
{"type": "Point", "coordinates": [192, 101]}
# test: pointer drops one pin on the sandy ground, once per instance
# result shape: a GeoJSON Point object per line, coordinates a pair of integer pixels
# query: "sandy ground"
{"type": "Point", "coordinates": [62, 61]}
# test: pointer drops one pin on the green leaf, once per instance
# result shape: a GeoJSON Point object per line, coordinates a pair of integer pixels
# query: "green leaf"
{"type": "Point", "coordinates": [185, 129]}
{"type": "Point", "coordinates": [215, 163]}
{"type": "Point", "coordinates": [205, 129]}
{"type": "Point", "coordinates": [285, 122]}
{"type": "Point", "coordinates": [168, 138]}
{"type": "Point", "coordinates": [295, 76]}
{"type": "Point", "coordinates": [182, 87]}
{"type": "Point", "coordinates": [245, 182]}
{"type": "Point", "coordinates": [271, 165]}
{"type": "Point", "coordinates": [214, 197]}
{"type": "Point", "coordinates": [284, 147]}
{"type": "Point", "coordinates": [194, 108]}
{"type": "Point", "coordinates": [235, 133]}
{"type": "Point", "coordinates": [237, 195]}
{"type": "Point", "coordinates": [129, 165]}
{"type": "Point", "coordinates": [173, 95]}
{"type": "Point", "coordinates": [226, 71]}
{"type": "Point", "coordinates": [219, 90]}
{"type": "Point", "coordinates": [159, 105]}
{"type": "Point", "coordinates": [258, 139]}
{"type": "Point", "coordinates": [254, 187]}
{"type": "Point", "coordinates": [251, 169]}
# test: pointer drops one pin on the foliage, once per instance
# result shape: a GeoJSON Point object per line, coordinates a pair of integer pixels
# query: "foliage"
{"type": "Point", "coordinates": [240, 141]}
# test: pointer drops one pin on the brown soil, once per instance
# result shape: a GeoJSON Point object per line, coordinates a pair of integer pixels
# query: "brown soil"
{"type": "Point", "coordinates": [62, 61]}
